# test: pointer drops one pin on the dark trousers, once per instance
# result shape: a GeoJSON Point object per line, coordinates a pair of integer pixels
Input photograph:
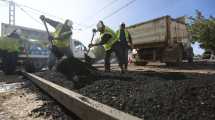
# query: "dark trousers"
{"type": "Point", "coordinates": [9, 61]}
{"type": "Point", "coordinates": [122, 53]}
{"type": "Point", "coordinates": [107, 59]}
{"type": "Point", "coordinates": [108, 56]}
{"type": "Point", "coordinates": [53, 57]}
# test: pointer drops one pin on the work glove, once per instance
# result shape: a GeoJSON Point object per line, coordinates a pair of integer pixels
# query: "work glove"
{"type": "Point", "coordinates": [50, 38]}
{"type": "Point", "coordinates": [42, 17]}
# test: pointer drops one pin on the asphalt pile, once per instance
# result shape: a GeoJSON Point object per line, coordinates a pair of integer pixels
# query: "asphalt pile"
{"type": "Point", "coordinates": [71, 67]}
{"type": "Point", "coordinates": [157, 99]}
{"type": "Point", "coordinates": [150, 95]}
{"type": "Point", "coordinates": [57, 78]}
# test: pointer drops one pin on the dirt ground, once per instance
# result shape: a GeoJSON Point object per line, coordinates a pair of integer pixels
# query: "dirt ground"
{"type": "Point", "coordinates": [155, 92]}
{"type": "Point", "coordinates": [203, 67]}
{"type": "Point", "coordinates": [28, 102]}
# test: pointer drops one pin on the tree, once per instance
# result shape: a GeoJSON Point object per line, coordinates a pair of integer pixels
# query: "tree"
{"type": "Point", "coordinates": [203, 31]}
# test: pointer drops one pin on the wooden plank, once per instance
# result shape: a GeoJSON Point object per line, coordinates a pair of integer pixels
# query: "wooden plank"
{"type": "Point", "coordinates": [83, 107]}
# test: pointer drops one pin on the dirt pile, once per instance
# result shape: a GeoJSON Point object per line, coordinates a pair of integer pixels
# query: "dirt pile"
{"type": "Point", "coordinates": [73, 66]}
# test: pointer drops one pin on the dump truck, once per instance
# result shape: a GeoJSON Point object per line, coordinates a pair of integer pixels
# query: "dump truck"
{"type": "Point", "coordinates": [163, 39]}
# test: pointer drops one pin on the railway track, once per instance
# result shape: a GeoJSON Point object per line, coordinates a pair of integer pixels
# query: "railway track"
{"type": "Point", "coordinates": [82, 106]}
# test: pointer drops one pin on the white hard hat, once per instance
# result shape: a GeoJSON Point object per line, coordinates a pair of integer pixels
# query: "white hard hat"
{"type": "Point", "coordinates": [18, 31]}
{"type": "Point", "coordinates": [69, 23]}
{"type": "Point", "coordinates": [100, 25]}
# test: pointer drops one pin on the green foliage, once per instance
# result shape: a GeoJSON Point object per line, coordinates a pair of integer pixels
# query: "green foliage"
{"type": "Point", "coordinates": [203, 31]}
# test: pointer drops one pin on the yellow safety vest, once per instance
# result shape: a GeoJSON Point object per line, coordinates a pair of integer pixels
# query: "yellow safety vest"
{"type": "Point", "coordinates": [118, 35]}
{"type": "Point", "coordinates": [10, 45]}
{"type": "Point", "coordinates": [1, 44]}
{"type": "Point", "coordinates": [62, 43]}
{"type": "Point", "coordinates": [107, 46]}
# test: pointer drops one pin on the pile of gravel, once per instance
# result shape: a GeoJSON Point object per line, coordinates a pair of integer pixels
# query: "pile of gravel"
{"type": "Point", "coordinates": [149, 95]}
{"type": "Point", "coordinates": [158, 98]}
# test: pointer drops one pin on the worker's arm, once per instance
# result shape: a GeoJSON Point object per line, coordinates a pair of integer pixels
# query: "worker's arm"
{"type": "Point", "coordinates": [64, 35]}
{"type": "Point", "coordinates": [104, 40]}
{"type": "Point", "coordinates": [52, 22]}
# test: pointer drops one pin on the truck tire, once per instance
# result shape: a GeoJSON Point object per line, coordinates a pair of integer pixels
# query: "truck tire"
{"type": "Point", "coordinates": [180, 50]}
{"type": "Point", "coordinates": [190, 55]}
{"type": "Point", "coordinates": [173, 56]}
{"type": "Point", "coordinates": [190, 60]}
{"type": "Point", "coordinates": [29, 66]}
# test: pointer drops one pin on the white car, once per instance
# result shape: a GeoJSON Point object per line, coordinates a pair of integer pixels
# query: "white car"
{"type": "Point", "coordinates": [79, 50]}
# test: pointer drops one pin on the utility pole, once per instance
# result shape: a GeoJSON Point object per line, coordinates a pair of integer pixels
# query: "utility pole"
{"type": "Point", "coordinates": [12, 12]}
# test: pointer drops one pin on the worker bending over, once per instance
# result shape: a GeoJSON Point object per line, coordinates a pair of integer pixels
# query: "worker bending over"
{"type": "Point", "coordinates": [60, 39]}
{"type": "Point", "coordinates": [108, 41]}
{"type": "Point", "coordinates": [124, 43]}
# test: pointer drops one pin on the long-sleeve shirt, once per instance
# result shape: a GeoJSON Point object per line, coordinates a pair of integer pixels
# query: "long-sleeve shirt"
{"type": "Point", "coordinates": [64, 31]}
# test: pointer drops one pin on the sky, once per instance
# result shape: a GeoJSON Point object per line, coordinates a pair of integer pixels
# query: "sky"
{"type": "Point", "coordinates": [86, 13]}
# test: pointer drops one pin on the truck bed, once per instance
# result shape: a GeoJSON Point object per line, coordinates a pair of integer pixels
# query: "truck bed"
{"type": "Point", "coordinates": [158, 32]}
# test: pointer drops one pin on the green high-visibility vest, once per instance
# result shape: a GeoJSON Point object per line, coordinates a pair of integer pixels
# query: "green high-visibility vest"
{"type": "Point", "coordinates": [109, 44]}
{"type": "Point", "coordinates": [118, 35]}
{"type": "Point", "coordinates": [4, 44]}
{"type": "Point", "coordinates": [62, 43]}
{"type": "Point", "coordinates": [12, 45]}
{"type": "Point", "coordinates": [1, 44]}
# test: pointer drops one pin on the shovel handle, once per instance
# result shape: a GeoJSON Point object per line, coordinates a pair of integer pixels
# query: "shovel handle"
{"type": "Point", "coordinates": [91, 41]}
{"type": "Point", "coordinates": [47, 30]}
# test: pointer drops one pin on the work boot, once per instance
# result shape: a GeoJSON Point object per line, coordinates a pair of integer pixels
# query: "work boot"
{"type": "Point", "coordinates": [122, 69]}
{"type": "Point", "coordinates": [107, 68]}
{"type": "Point", "coordinates": [126, 68]}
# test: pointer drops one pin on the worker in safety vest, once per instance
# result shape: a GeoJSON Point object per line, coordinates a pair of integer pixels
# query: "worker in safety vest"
{"type": "Point", "coordinates": [1, 47]}
{"type": "Point", "coordinates": [61, 40]}
{"type": "Point", "coordinates": [10, 43]}
{"type": "Point", "coordinates": [108, 41]}
{"type": "Point", "coordinates": [123, 45]}
{"type": "Point", "coordinates": [10, 51]}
